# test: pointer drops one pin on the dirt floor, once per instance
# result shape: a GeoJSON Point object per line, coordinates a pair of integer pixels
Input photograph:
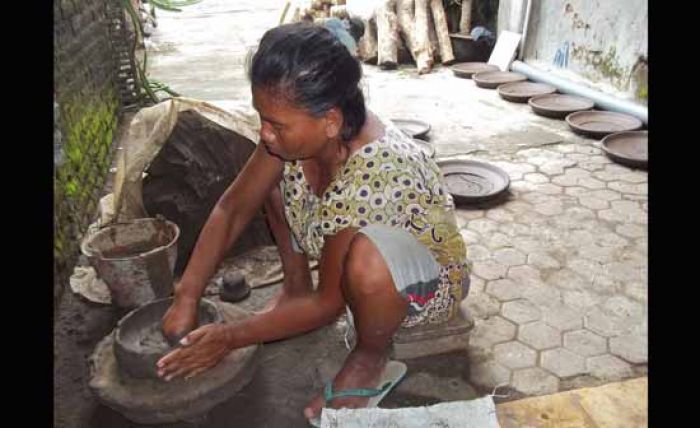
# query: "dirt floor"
{"type": "Point", "coordinates": [288, 375]}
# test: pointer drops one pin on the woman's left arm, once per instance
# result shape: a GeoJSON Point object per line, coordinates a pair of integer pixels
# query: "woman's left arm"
{"type": "Point", "coordinates": [204, 347]}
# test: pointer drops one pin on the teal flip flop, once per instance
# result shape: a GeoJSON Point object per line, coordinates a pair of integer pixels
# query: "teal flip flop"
{"type": "Point", "coordinates": [393, 373]}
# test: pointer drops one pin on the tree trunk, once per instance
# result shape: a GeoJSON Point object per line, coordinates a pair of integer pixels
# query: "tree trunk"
{"type": "Point", "coordinates": [422, 37]}
{"type": "Point", "coordinates": [339, 11]}
{"type": "Point", "coordinates": [367, 45]}
{"type": "Point", "coordinates": [465, 21]}
{"type": "Point", "coordinates": [387, 35]}
{"type": "Point", "coordinates": [407, 23]}
{"type": "Point", "coordinates": [432, 35]}
{"type": "Point", "coordinates": [443, 35]}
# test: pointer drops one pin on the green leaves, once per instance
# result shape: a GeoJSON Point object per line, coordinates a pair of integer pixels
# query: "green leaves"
{"type": "Point", "coordinates": [173, 5]}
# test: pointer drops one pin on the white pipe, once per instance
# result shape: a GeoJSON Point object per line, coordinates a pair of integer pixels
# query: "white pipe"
{"type": "Point", "coordinates": [602, 101]}
{"type": "Point", "coordinates": [526, 22]}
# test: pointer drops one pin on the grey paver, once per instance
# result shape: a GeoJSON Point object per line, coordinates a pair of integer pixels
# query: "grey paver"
{"type": "Point", "coordinates": [515, 355]}
{"type": "Point", "coordinates": [470, 237]}
{"type": "Point", "coordinates": [625, 271]}
{"type": "Point", "coordinates": [632, 348]}
{"type": "Point", "coordinates": [518, 206]}
{"type": "Point", "coordinates": [525, 275]}
{"type": "Point", "coordinates": [606, 324]}
{"type": "Point", "coordinates": [566, 279]}
{"type": "Point", "coordinates": [478, 253]}
{"type": "Point", "coordinates": [597, 253]}
{"type": "Point", "coordinates": [490, 270]}
{"type": "Point", "coordinates": [563, 318]}
{"type": "Point", "coordinates": [605, 194]}
{"type": "Point", "coordinates": [591, 183]}
{"type": "Point", "coordinates": [536, 178]}
{"type": "Point", "coordinates": [549, 208]}
{"type": "Point", "coordinates": [544, 296]}
{"type": "Point", "coordinates": [489, 374]}
{"type": "Point", "coordinates": [581, 300]}
{"type": "Point", "coordinates": [637, 290]}
{"type": "Point", "coordinates": [542, 260]}
{"type": "Point", "coordinates": [490, 331]}
{"type": "Point", "coordinates": [520, 311]}
{"type": "Point", "coordinates": [628, 188]}
{"type": "Point", "coordinates": [593, 203]}
{"type": "Point", "coordinates": [535, 381]}
{"type": "Point", "coordinates": [483, 226]}
{"type": "Point", "coordinates": [608, 367]}
{"type": "Point", "coordinates": [540, 335]}
{"type": "Point", "coordinates": [509, 257]}
{"type": "Point", "coordinates": [498, 240]}
{"type": "Point", "coordinates": [505, 289]}
{"type": "Point", "coordinates": [623, 307]}
{"type": "Point", "coordinates": [585, 343]}
{"type": "Point", "coordinates": [480, 305]}
{"type": "Point", "coordinates": [631, 230]}
{"type": "Point", "coordinates": [562, 362]}
{"type": "Point", "coordinates": [528, 244]}
{"type": "Point", "coordinates": [548, 189]}
{"type": "Point", "coordinates": [500, 215]}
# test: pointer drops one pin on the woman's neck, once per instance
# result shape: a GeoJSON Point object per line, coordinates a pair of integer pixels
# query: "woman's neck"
{"type": "Point", "coordinates": [336, 152]}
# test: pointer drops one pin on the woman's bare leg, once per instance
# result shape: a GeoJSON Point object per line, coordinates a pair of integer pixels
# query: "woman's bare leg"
{"type": "Point", "coordinates": [378, 310]}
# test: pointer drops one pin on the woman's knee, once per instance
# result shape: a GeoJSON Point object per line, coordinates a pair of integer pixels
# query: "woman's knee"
{"type": "Point", "coordinates": [365, 269]}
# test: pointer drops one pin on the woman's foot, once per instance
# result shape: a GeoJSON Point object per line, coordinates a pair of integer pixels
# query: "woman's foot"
{"type": "Point", "coordinates": [362, 369]}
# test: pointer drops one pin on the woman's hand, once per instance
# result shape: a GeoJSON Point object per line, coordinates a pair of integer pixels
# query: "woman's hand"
{"type": "Point", "coordinates": [180, 318]}
{"type": "Point", "coordinates": [199, 351]}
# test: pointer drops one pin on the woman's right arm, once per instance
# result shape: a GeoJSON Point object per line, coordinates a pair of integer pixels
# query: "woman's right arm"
{"type": "Point", "coordinates": [231, 214]}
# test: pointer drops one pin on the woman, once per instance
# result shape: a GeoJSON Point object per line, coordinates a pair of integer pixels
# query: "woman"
{"type": "Point", "coordinates": [339, 185]}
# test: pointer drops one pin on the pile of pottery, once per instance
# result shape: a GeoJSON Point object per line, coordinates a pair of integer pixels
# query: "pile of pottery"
{"type": "Point", "coordinates": [621, 137]}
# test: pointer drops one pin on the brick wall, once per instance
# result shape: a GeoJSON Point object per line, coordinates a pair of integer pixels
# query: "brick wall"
{"type": "Point", "coordinates": [90, 87]}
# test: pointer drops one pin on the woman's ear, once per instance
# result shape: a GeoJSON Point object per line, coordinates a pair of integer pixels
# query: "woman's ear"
{"type": "Point", "coordinates": [334, 122]}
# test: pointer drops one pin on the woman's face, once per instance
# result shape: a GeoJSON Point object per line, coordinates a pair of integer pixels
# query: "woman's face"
{"type": "Point", "coordinates": [288, 131]}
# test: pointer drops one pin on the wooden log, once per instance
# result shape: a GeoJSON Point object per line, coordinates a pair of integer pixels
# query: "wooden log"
{"type": "Point", "coordinates": [407, 24]}
{"type": "Point", "coordinates": [387, 35]}
{"type": "Point", "coordinates": [367, 45]}
{"type": "Point", "coordinates": [432, 36]}
{"type": "Point", "coordinates": [422, 36]}
{"type": "Point", "coordinates": [339, 11]}
{"type": "Point", "coordinates": [283, 15]}
{"type": "Point", "coordinates": [443, 34]}
{"type": "Point", "coordinates": [465, 20]}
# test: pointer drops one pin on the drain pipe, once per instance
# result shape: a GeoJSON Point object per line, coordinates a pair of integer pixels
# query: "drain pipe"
{"type": "Point", "coordinates": [603, 101]}
{"type": "Point", "coordinates": [526, 23]}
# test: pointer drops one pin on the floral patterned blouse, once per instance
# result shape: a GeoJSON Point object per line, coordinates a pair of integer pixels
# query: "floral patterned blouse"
{"type": "Point", "coordinates": [392, 182]}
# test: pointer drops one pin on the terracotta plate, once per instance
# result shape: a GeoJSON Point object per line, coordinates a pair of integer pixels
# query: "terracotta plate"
{"type": "Point", "coordinates": [413, 128]}
{"type": "Point", "coordinates": [493, 79]}
{"type": "Point", "coordinates": [520, 92]}
{"type": "Point", "coordinates": [628, 148]}
{"type": "Point", "coordinates": [598, 124]}
{"type": "Point", "coordinates": [468, 69]}
{"type": "Point", "coordinates": [558, 106]}
{"type": "Point", "coordinates": [471, 181]}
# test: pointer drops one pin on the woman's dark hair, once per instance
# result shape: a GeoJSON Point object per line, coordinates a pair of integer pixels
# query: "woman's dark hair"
{"type": "Point", "coordinates": [308, 64]}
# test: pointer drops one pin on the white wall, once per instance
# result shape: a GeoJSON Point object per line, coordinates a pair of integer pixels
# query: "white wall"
{"type": "Point", "coordinates": [606, 37]}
